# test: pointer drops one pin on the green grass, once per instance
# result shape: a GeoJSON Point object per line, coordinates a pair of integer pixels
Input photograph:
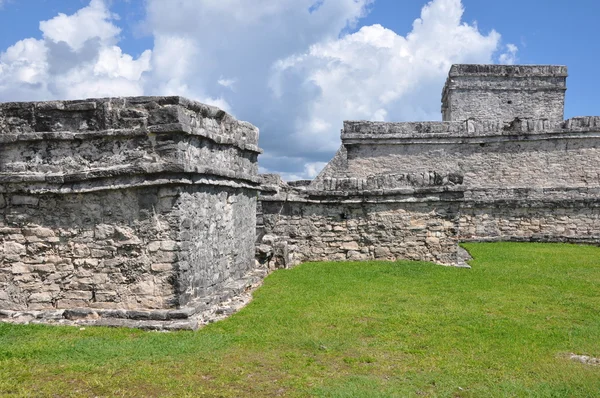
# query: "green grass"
{"type": "Point", "coordinates": [374, 329]}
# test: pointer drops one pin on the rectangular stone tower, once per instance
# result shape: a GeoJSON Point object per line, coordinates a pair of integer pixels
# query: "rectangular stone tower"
{"type": "Point", "coordinates": [504, 92]}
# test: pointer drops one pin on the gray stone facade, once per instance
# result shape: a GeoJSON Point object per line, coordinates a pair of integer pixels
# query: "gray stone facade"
{"type": "Point", "coordinates": [492, 170]}
{"type": "Point", "coordinates": [416, 223]}
{"type": "Point", "coordinates": [143, 212]}
{"type": "Point", "coordinates": [503, 92]}
{"type": "Point", "coordinates": [121, 211]}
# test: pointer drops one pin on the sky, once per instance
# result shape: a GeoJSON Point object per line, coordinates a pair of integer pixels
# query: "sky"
{"type": "Point", "coordinates": [294, 68]}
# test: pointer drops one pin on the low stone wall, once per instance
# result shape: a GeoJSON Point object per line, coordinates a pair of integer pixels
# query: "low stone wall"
{"type": "Point", "coordinates": [422, 222]}
{"type": "Point", "coordinates": [409, 223]}
{"type": "Point", "coordinates": [144, 209]}
{"type": "Point", "coordinates": [530, 214]}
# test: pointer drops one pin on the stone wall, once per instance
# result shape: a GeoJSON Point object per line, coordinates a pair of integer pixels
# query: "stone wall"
{"type": "Point", "coordinates": [516, 172]}
{"type": "Point", "coordinates": [490, 154]}
{"type": "Point", "coordinates": [503, 92]}
{"type": "Point", "coordinates": [360, 224]}
{"type": "Point", "coordinates": [125, 210]}
{"type": "Point", "coordinates": [531, 214]}
{"type": "Point", "coordinates": [421, 222]}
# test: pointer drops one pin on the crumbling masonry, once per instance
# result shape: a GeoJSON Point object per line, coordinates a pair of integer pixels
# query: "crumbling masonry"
{"type": "Point", "coordinates": [502, 165]}
{"type": "Point", "coordinates": [129, 211]}
{"type": "Point", "coordinates": [142, 211]}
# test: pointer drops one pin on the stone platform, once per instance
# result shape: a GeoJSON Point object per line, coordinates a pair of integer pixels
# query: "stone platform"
{"type": "Point", "coordinates": [138, 209]}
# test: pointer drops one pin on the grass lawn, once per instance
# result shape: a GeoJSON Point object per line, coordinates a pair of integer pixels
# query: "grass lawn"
{"type": "Point", "coordinates": [374, 329]}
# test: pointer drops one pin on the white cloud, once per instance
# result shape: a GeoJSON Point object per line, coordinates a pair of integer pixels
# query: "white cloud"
{"type": "Point", "coordinates": [510, 56]}
{"type": "Point", "coordinates": [200, 44]}
{"type": "Point", "coordinates": [288, 66]}
{"type": "Point", "coordinates": [309, 171]}
{"type": "Point", "coordinates": [226, 82]}
{"type": "Point", "coordinates": [26, 60]}
{"type": "Point", "coordinates": [312, 169]}
{"type": "Point", "coordinates": [376, 74]}
{"type": "Point", "coordinates": [77, 58]}
{"type": "Point", "coordinates": [91, 22]}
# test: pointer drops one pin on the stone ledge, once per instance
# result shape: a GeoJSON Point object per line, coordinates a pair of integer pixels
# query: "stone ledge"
{"type": "Point", "coordinates": [508, 70]}
{"type": "Point", "coordinates": [171, 129]}
{"type": "Point", "coordinates": [123, 177]}
{"type": "Point", "coordinates": [360, 132]}
{"type": "Point", "coordinates": [588, 240]}
{"type": "Point", "coordinates": [105, 115]}
{"type": "Point", "coordinates": [386, 182]}
{"type": "Point", "coordinates": [400, 195]}
{"type": "Point", "coordinates": [399, 139]}
{"type": "Point", "coordinates": [209, 309]}
{"type": "Point", "coordinates": [564, 196]}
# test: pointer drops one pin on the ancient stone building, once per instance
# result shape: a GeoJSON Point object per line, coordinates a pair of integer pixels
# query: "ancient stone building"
{"type": "Point", "coordinates": [502, 165]}
{"type": "Point", "coordinates": [143, 211]}
{"type": "Point", "coordinates": [129, 211]}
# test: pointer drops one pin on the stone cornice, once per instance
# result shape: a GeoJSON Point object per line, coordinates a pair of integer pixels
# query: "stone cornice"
{"type": "Point", "coordinates": [469, 131]}
{"type": "Point", "coordinates": [99, 117]}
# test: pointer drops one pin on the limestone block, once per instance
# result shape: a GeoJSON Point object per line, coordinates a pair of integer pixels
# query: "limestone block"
{"type": "Point", "coordinates": [21, 200]}
{"type": "Point", "coordinates": [20, 268]}
{"type": "Point", "coordinates": [357, 256]}
{"type": "Point", "coordinates": [350, 246]}
{"type": "Point", "coordinates": [161, 267]}
{"type": "Point", "coordinates": [13, 248]}
{"type": "Point", "coordinates": [382, 252]}
{"type": "Point", "coordinates": [169, 245]}
{"type": "Point", "coordinates": [104, 231]}
{"type": "Point", "coordinates": [39, 232]}
{"type": "Point", "coordinates": [42, 297]}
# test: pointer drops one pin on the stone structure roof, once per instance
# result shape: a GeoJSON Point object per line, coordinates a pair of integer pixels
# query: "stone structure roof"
{"type": "Point", "coordinates": [487, 110]}
{"type": "Point", "coordinates": [504, 92]}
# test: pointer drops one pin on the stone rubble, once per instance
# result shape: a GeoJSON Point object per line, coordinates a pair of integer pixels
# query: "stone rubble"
{"type": "Point", "coordinates": [585, 359]}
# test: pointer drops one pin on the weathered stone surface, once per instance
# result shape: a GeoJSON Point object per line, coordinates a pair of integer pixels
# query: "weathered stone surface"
{"type": "Point", "coordinates": [142, 212]}
{"type": "Point", "coordinates": [585, 359]}
{"type": "Point", "coordinates": [231, 298]}
{"type": "Point", "coordinates": [139, 205]}
{"type": "Point", "coordinates": [503, 165]}
{"type": "Point", "coordinates": [503, 92]}
{"type": "Point", "coordinates": [411, 223]}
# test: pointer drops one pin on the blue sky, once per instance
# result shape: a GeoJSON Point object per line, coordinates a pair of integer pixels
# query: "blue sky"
{"type": "Point", "coordinates": [294, 73]}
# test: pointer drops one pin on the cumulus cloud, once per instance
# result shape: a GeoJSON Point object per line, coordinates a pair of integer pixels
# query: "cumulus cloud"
{"type": "Point", "coordinates": [294, 68]}
{"type": "Point", "coordinates": [76, 57]}
{"type": "Point", "coordinates": [305, 171]}
{"type": "Point", "coordinates": [226, 82]}
{"type": "Point", "coordinates": [299, 73]}
{"type": "Point", "coordinates": [510, 56]}
{"type": "Point", "coordinates": [91, 22]}
{"type": "Point", "coordinates": [221, 52]}
{"type": "Point", "coordinates": [376, 74]}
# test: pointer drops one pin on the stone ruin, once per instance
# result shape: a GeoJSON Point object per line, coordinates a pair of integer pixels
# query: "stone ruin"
{"type": "Point", "coordinates": [125, 211]}
{"type": "Point", "coordinates": [143, 212]}
{"type": "Point", "coordinates": [502, 165]}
